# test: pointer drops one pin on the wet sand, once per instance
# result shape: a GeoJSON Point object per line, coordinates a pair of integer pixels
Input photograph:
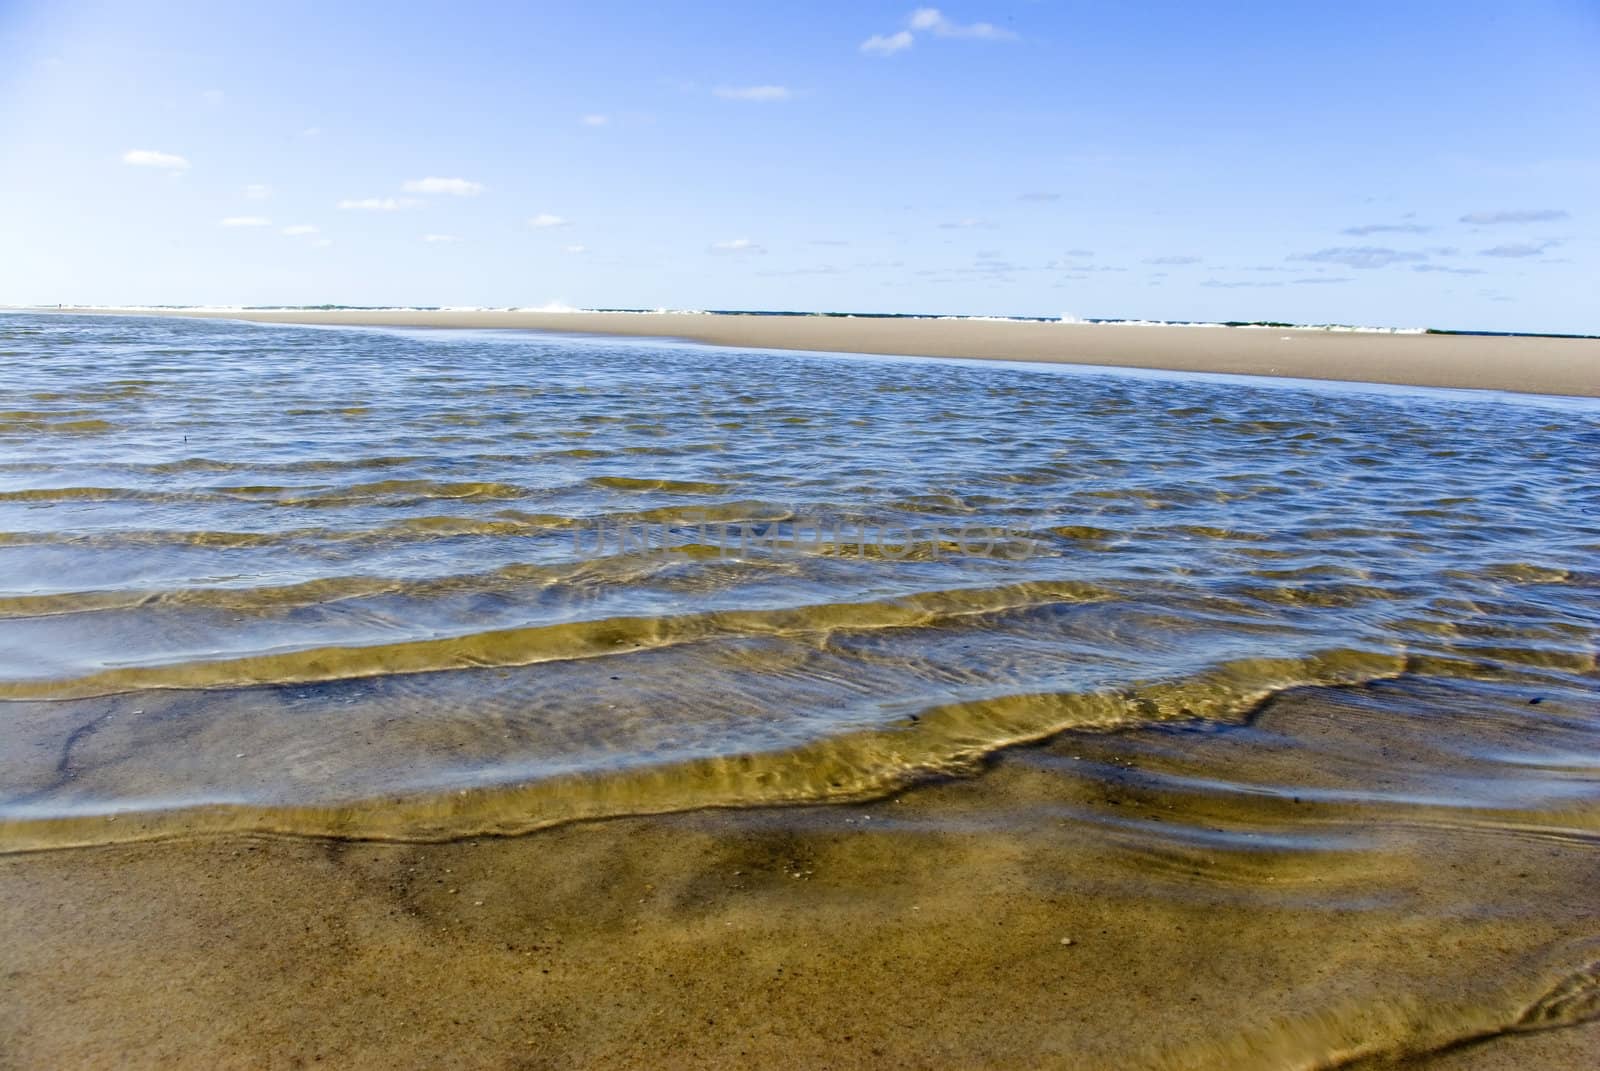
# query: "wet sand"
{"type": "Point", "coordinates": [1215, 920]}
{"type": "Point", "coordinates": [1525, 364]}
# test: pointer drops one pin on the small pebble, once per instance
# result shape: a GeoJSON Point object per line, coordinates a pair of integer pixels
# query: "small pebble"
{"type": "Point", "coordinates": [1066, 940]}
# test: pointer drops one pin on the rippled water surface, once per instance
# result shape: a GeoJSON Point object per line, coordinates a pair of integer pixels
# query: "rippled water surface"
{"type": "Point", "coordinates": [425, 584]}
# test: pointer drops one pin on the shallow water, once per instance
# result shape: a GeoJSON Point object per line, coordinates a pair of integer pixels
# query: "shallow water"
{"type": "Point", "coordinates": [423, 585]}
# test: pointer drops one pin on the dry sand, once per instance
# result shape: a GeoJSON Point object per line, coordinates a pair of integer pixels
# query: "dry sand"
{"type": "Point", "coordinates": [1207, 929]}
{"type": "Point", "coordinates": [1521, 363]}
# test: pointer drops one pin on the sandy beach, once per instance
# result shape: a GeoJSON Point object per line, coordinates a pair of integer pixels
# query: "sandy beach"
{"type": "Point", "coordinates": [1537, 365]}
{"type": "Point", "coordinates": [933, 715]}
{"type": "Point", "coordinates": [988, 537]}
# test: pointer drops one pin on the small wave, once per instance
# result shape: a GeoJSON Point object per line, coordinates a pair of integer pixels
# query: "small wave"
{"type": "Point", "coordinates": [548, 643]}
{"type": "Point", "coordinates": [946, 740]}
{"type": "Point", "coordinates": [673, 487]}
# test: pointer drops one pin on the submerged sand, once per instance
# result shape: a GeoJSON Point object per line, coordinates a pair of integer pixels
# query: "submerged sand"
{"type": "Point", "coordinates": [1156, 898]}
{"type": "Point", "coordinates": [1538, 365]}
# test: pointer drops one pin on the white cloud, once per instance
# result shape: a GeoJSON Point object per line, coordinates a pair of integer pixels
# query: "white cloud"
{"type": "Point", "coordinates": [151, 158]}
{"type": "Point", "coordinates": [1386, 228]}
{"type": "Point", "coordinates": [887, 44]}
{"type": "Point", "coordinates": [1540, 215]}
{"type": "Point", "coordinates": [1521, 249]}
{"type": "Point", "coordinates": [378, 204]}
{"type": "Point", "coordinates": [214, 98]}
{"type": "Point", "coordinates": [577, 249]}
{"type": "Point", "coordinates": [440, 238]}
{"type": "Point", "coordinates": [298, 229]}
{"type": "Point", "coordinates": [737, 246]}
{"type": "Point", "coordinates": [933, 21]}
{"type": "Point", "coordinates": [258, 191]}
{"type": "Point", "coordinates": [455, 187]}
{"type": "Point", "coordinates": [595, 120]}
{"type": "Point", "coordinates": [1365, 257]}
{"type": "Point", "coordinates": [966, 224]}
{"type": "Point", "coordinates": [322, 243]}
{"type": "Point", "coordinates": [759, 94]}
{"type": "Point", "coordinates": [545, 219]}
{"type": "Point", "coordinates": [311, 132]}
{"type": "Point", "coordinates": [247, 221]}
{"type": "Point", "coordinates": [1238, 284]}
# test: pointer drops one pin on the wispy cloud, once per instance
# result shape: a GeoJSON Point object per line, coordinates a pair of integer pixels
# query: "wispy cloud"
{"type": "Point", "coordinates": [758, 94]}
{"type": "Point", "coordinates": [440, 238]}
{"type": "Point", "coordinates": [1321, 280]}
{"type": "Point", "coordinates": [546, 219]}
{"type": "Point", "coordinates": [930, 20]}
{"type": "Point", "coordinates": [258, 191]}
{"type": "Point", "coordinates": [741, 246]}
{"type": "Point", "coordinates": [378, 204]}
{"type": "Point", "coordinates": [1078, 260]}
{"type": "Point", "coordinates": [213, 98]}
{"type": "Point", "coordinates": [887, 44]}
{"type": "Point", "coordinates": [1360, 256]}
{"type": "Point", "coordinates": [297, 230]}
{"type": "Point", "coordinates": [246, 221]}
{"type": "Point", "coordinates": [933, 21]}
{"type": "Point", "coordinates": [594, 120]}
{"type": "Point", "coordinates": [966, 224]}
{"type": "Point", "coordinates": [1521, 249]}
{"type": "Point", "coordinates": [455, 187]}
{"type": "Point", "coordinates": [1536, 215]}
{"type": "Point", "coordinates": [1447, 269]}
{"type": "Point", "coordinates": [825, 269]}
{"type": "Point", "coordinates": [1386, 228]}
{"type": "Point", "coordinates": [152, 158]}
{"type": "Point", "coordinates": [577, 249]}
{"type": "Point", "coordinates": [1172, 260]}
{"type": "Point", "coordinates": [1038, 197]}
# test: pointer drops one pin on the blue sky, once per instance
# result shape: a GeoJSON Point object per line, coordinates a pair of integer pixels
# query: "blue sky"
{"type": "Point", "coordinates": [1407, 164]}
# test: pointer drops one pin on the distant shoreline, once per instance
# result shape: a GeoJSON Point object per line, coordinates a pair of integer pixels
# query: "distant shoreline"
{"type": "Point", "coordinates": [1530, 364]}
